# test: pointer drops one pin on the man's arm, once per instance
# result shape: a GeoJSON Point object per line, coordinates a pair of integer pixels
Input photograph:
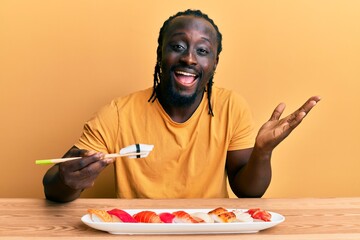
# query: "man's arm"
{"type": "Point", "coordinates": [55, 189]}
{"type": "Point", "coordinates": [249, 170]}
{"type": "Point", "coordinates": [65, 181]}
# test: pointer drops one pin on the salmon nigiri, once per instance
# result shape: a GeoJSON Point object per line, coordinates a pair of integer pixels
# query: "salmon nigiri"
{"type": "Point", "coordinates": [147, 217]}
{"type": "Point", "coordinates": [98, 215]}
{"type": "Point", "coordinates": [119, 215]}
{"type": "Point", "coordinates": [184, 217]}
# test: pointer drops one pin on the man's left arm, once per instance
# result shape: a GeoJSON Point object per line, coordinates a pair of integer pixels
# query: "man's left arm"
{"type": "Point", "coordinates": [249, 170]}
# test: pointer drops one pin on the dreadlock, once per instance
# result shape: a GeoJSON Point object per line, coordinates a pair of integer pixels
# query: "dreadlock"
{"type": "Point", "coordinates": [189, 12]}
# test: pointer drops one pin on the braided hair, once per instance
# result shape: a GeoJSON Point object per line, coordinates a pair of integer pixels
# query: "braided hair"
{"type": "Point", "coordinates": [189, 12]}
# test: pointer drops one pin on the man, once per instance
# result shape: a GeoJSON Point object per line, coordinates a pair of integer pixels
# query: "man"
{"type": "Point", "coordinates": [202, 134]}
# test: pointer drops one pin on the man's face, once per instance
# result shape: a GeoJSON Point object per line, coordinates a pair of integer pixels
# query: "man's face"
{"type": "Point", "coordinates": [188, 59]}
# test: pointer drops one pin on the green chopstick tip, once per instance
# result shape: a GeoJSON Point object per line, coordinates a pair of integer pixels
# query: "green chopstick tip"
{"type": "Point", "coordinates": [41, 162]}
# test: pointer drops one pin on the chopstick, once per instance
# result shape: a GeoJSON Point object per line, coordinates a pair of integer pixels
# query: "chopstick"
{"type": "Point", "coordinates": [111, 155]}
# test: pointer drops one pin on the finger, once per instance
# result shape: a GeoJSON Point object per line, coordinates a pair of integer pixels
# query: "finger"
{"type": "Point", "coordinates": [76, 165]}
{"type": "Point", "coordinates": [297, 116]}
{"type": "Point", "coordinates": [301, 113]}
{"type": "Point", "coordinates": [277, 112]}
{"type": "Point", "coordinates": [88, 153]}
{"type": "Point", "coordinates": [92, 170]}
{"type": "Point", "coordinates": [85, 177]}
{"type": "Point", "coordinates": [296, 120]}
{"type": "Point", "coordinates": [309, 104]}
{"type": "Point", "coordinates": [75, 152]}
{"type": "Point", "coordinates": [108, 160]}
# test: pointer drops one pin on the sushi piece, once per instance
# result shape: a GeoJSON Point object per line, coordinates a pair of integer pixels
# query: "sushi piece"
{"type": "Point", "coordinates": [119, 215]}
{"type": "Point", "coordinates": [242, 216]}
{"type": "Point", "coordinates": [218, 211]}
{"type": "Point", "coordinates": [184, 217]}
{"type": "Point", "coordinates": [147, 217]}
{"type": "Point", "coordinates": [222, 215]}
{"type": "Point", "coordinates": [202, 217]}
{"type": "Point", "coordinates": [226, 217]}
{"type": "Point", "coordinates": [166, 217]}
{"type": "Point", "coordinates": [98, 215]}
{"type": "Point", "coordinates": [258, 214]}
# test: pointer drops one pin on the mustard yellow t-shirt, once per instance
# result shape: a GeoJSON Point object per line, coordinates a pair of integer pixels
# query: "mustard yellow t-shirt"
{"type": "Point", "coordinates": [188, 159]}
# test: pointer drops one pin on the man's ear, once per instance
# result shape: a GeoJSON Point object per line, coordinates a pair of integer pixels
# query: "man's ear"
{"type": "Point", "coordinates": [159, 53]}
{"type": "Point", "coordinates": [216, 62]}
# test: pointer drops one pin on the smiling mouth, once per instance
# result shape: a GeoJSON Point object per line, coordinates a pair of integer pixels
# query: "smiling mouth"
{"type": "Point", "coordinates": [185, 78]}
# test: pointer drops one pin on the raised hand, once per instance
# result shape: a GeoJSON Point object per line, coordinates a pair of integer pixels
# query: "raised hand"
{"type": "Point", "coordinates": [275, 130]}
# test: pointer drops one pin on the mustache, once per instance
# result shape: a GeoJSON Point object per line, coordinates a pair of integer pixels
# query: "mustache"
{"type": "Point", "coordinates": [185, 68]}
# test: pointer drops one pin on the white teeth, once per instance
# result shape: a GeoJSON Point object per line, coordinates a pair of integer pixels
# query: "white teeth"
{"type": "Point", "coordinates": [185, 73]}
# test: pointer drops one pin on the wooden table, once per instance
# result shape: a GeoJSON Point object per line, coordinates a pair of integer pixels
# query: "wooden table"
{"type": "Point", "coordinates": [310, 218]}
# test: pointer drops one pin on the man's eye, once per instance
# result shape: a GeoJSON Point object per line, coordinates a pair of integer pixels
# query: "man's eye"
{"type": "Point", "coordinates": [177, 47]}
{"type": "Point", "coordinates": [202, 51]}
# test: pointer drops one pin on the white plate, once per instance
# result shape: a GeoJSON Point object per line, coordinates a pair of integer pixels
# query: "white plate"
{"type": "Point", "coordinates": [182, 228]}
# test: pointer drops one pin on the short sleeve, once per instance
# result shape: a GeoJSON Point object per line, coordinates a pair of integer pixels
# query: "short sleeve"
{"type": "Point", "coordinates": [100, 132]}
{"type": "Point", "coordinates": [243, 132]}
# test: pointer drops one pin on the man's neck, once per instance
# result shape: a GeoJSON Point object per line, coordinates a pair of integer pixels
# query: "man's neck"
{"type": "Point", "coordinates": [180, 114]}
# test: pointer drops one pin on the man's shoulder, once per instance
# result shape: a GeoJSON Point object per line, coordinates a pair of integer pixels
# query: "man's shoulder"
{"type": "Point", "coordinates": [141, 95]}
{"type": "Point", "coordinates": [130, 101]}
{"type": "Point", "coordinates": [221, 91]}
{"type": "Point", "coordinates": [223, 94]}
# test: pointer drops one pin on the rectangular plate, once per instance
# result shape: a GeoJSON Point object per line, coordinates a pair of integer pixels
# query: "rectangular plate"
{"type": "Point", "coordinates": [182, 228]}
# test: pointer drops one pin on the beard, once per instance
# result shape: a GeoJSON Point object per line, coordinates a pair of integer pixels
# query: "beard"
{"type": "Point", "coordinates": [175, 98]}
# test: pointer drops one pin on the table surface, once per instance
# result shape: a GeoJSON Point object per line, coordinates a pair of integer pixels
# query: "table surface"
{"type": "Point", "coordinates": [305, 218]}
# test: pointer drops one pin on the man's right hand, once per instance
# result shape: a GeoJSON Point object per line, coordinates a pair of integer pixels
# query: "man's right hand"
{"type": "Point", "coordinates": [80, 174]}
{"type": "Point", "coordinates": [65, 181]}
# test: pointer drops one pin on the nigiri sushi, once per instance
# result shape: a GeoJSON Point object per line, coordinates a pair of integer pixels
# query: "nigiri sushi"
{"type": "Point", "coordinates": [98, 215]}
{"type": "Point", "coordinates": [166, 217]}
{"type": "Point", "coordinates": [221, 215]}
{"type": "Point", "coordinates": [119, 215]}
{"type": "Point", "coordinates": [184, 217]}
{"type": "Point", "coordinates": [201, 216]}
{"type": "Point", "coordinates": [147, 217]}
{"type": "Point", "coordinates": [242, 216]}
{"type": "Point", "coordinates": [226, 217]}
{"type": "Point", "coordinates": [218, 211]}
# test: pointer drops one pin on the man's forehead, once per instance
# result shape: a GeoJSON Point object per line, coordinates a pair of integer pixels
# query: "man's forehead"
{"type": "Point", "coordinates": [190, 22]}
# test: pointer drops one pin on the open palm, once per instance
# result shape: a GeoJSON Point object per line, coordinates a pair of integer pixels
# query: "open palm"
{"type": "Point", "coordinates": [275, 130]}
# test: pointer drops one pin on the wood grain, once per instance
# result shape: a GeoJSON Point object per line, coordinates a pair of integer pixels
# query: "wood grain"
{"type": "Point", "coordinates": [325, 218]}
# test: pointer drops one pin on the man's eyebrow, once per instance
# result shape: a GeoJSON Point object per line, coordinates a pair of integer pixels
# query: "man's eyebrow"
{"type": "Point", "coordinates": [182, 33]}
{"type": "Point", "coordinates": [177, 34]}
{"type": "Point", "coordinates": [206, 39]}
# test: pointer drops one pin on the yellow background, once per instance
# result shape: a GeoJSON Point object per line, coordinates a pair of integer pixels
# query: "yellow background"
{"type": "Point", "coordinates": [60, 61]}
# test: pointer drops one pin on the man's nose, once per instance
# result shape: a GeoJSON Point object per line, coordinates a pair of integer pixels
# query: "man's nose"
{"type": "Point", "coordinates": [189, 57]}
